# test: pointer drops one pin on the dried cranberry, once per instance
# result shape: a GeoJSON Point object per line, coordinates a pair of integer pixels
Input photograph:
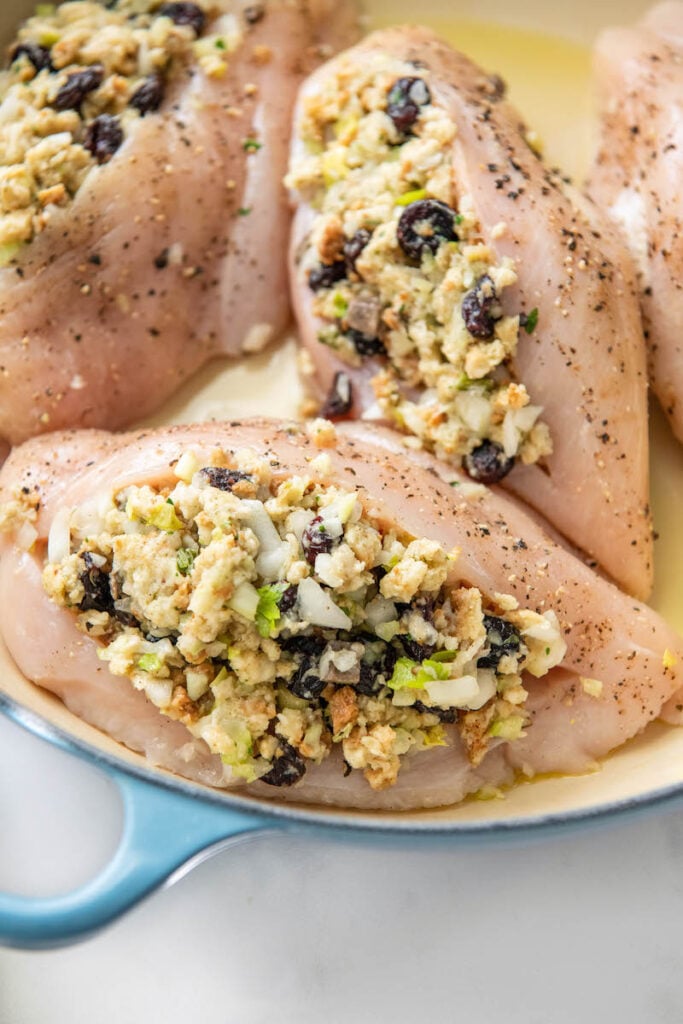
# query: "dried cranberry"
{"type": "Point", "coordinates": [288, 599]}
{"type": "Point", "coordinates": [315, 540]}
{"type": "Point", "coordinates": [370, 682]}
{"type": "Point", "coordinates": [126, 619]}
{"type": "Point", "coordinates": [326, 275]}
{"type": "Point", "coordinates": [185, 14]}
{"type": "Point", "coordinates": [222, 479]}
{"type": "Point", "coordinates": [353, 247]}
{"type": "Point", "coordinates": [103, 137]}
{"type": "Point", "coordinates": [77, 87]}
{"type": "Point", "coordinates": [149, 95]}
{"type": "Point", "coordinates": [288, 767]}
{"type": "Point", "coordinates": [424, 225]}
{"type": "Point", "coordinates": [37, 55]}
{"type": "Point", "coordinates": [305, 682]}
{"type": "Point", "coordinates": [443, 714]}
{"type": "Point", "coordinates": [309, 644]}
{"type": "Point", "coordinates": [479, 306]}
{"type": "Point", "coordinates": [95, 582]}
{"type": "Point", "coordinates": [404, 100]}
{"type": "Point", "coordinates": [364, 345]}
{"type": "Point", "coordinates": [340, 398]}
{"type": "Point", "coordinates": [488, 463]}
{"type": "Point", "coordinates": [416, 651]}
{"type": "Point", "coordinates": [374, 675]}
{"type": "Point", "coordinates": [502, 638]}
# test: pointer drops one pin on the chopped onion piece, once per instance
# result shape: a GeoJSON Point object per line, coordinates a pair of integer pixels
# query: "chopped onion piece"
{"type": "Point", "coordinates": [196, 683]}
{"type": "Point", "coordinates": [27, 536]}
{"type": "Point", "coordinates": [317, 607]}
{"type": "Point", "coordinates": [488, 688]}
{"type": "Point", "coordinates": [326, 572]}
{"type": "Point", "coordinates": [339, 511]}
{"type": "Point", "coordinates": [187, 465]}
{"type": "Point", "coordinates": [298, 520]}
{"type": "Point", "coordinates": [273, 550]}
{"type": "Point", "coordinates": [159, 691]}
{"type": "Point", "coordinates": [380, 610]}
{"type": "Point", "coordinates": [454, 693]}
{"type": "Point", "coordinates": [546, 645]}
{"type": "Point", "coordinates": [59, 538]}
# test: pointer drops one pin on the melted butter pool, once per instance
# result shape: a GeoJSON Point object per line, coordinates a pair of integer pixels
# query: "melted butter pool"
{"type": "Point", "coordinates": [549, 80]}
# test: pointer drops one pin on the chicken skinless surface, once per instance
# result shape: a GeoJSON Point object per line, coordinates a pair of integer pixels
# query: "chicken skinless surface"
{"type": "Point", "coordinates": [596, 666]}
{"type": "Point", "coordinates": [447, 282]}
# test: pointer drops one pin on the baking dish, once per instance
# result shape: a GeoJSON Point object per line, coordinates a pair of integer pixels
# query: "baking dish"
{"type": "Point", "coordinates": [171, 824]}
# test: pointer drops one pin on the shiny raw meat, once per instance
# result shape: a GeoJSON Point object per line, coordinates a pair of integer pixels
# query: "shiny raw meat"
{"type": "Point", "coordinates": [585, 361]}
{"type": "Point", "coordinates": [610, 637]}
{"type": "Point", "coordinates": [152, 269]}
{"type": "Point", "coordinates": [637, 178]}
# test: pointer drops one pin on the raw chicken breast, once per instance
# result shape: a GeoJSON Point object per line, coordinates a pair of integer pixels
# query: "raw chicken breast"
{"type": "Point", "coordinates": [621, 663]}
{"type": "Point", "coordinates": [426, 225]}
{"type": "Point", "coordinates": [636, 178]}
{"type": "Point", "coordinates": [170, 250]}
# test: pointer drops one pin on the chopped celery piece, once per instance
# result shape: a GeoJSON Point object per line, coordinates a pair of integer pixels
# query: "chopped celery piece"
{"type": "Point", "coordinates": [409, 674]}
{"type": "Point", "coordinates": [411, 197]}
{"type": "Point", "coordinates": [164, 518]}
{"type": "Point", "coordinates": [149, 662]}
{"type": "Point", "coordinates": [267, 610]}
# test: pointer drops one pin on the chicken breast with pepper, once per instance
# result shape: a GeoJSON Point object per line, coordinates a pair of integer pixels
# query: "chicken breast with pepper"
{"type": "Point", "coordinates": [637, 174]}
{"type": "Point", "coordinates": [142, 215]}
{"type": "Point", "coordinates": [447, 282]}
{"type": "Point", "coordinates": [313, 614]}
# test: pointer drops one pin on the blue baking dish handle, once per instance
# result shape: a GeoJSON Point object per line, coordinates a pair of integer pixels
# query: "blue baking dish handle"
{"type": "Point", "coordinates": [164, 834]}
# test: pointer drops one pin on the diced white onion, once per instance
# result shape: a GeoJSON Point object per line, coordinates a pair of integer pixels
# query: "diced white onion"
{"type": "Point", "coordinates": [59, 538]}
{"type": "Point", "coordinates": [317, 607]}
{"type": "Point", "coordinates": [26, 536]}
{"type": "Point", "coordinates": [332, 523]}
{"type": "Point", "coordinates": [197, 683]}
{"type": "Point", "coordinates": [339, 511]}
{"type": "Point", "coordinates": [326, 572]}
{"type": "Point", "coordinates": [269, 564]}
{"type": "Point", "coordinates": [298, 520]}
{"type": "Point", "coordinates": [87, 519]}
{"type": "Point", "coordinates": [487, 689]}
{"type": "Point", "coordinates": [518, 422]}
{"type": "Point", "coordinates": [548, 629]}
{"type": "Point", "coordinates": [547, 647]}
{"type": "Point", "coordinates": [475, 411]}
{"type": "Point", "coordinates": [453, 693]}
{"type": "Point", "coordinates": [159, 691]}
{"type": "Point", "coordinates": [380, 610]}
{"type": "Point", "coordinates": [187, 465]}
{"type": "Point", "coordinates": [273, 550]}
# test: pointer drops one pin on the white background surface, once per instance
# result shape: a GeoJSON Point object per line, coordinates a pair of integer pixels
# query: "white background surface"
{"type": "Point", "coordinates": [582, 928]}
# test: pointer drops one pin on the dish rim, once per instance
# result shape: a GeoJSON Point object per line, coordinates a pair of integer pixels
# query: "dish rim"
{"type": "Point", "coordinates": [379, 823]}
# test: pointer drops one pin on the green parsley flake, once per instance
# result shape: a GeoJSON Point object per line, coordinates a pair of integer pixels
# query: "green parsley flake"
{"type": "Point", "coordinates": [531, 321]}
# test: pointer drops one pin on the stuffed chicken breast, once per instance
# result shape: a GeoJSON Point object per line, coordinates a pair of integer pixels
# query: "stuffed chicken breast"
{"type": "Point", "coordinates": [637, 174]}
{"type": "Point", "coordinates": [142, 215]}
{"type": "Point", "coordinates": [448, 283]}
{"type": "Point", "coordinates": [315, 614]}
